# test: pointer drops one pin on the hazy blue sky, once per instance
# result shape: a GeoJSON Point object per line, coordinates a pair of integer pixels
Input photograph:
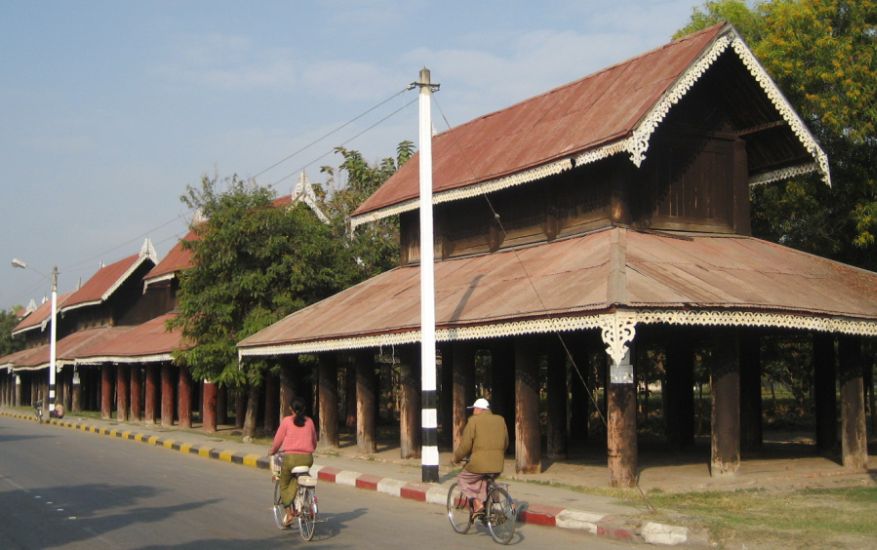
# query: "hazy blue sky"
{"type": "Point", "coordinates": [109, 109]}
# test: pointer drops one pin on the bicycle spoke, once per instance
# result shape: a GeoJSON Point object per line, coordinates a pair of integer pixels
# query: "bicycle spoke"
{"type": "Point", "coordinates": [501, 515]}
{"type": "Point", "coordinates": [307, 514]}
{"type": "Point", "coordinates": [458, 509]}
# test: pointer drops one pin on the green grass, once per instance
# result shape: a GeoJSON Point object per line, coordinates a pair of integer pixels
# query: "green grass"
{"type": "Point", "coordinates": [811, 518]}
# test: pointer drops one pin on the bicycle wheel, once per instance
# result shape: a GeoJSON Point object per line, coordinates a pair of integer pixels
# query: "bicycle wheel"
{"type": "Point", "coordinates": [278, 508]}
{"type": "Point", "coordinates": [501, 515]}
{"type": "Point", "coordinates": [307, 515]}
{"type": "Point", "coordinates": [458, 509]}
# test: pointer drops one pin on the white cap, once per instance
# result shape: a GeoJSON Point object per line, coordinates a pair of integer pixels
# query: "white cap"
{"type": "Point", "coordinates": [480, 403]}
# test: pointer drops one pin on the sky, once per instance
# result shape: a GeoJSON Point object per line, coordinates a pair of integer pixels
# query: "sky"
{"type": "Point", "coordinates": [109, 110]}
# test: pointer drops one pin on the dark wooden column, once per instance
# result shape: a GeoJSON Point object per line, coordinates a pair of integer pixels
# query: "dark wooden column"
{"type": "Point", "coordinates": [136, 393]}
{"type": "Point", "coordinates": [167, 395]}
{"type": "Point", "coordinates": [286, 391]}
{"type": "Point", "coordinates": [366, 396]}
{"type": "Point", "coordinates": [502, 369]}
{"type": "Point", "coordinates": [106, 392]}
{"type": "Point", "coordinates": [349, 394]}
{"type": "Point", "coordinates": [409, 402]}
{"type": "Point", "coordinates": [528, 450]}
{"type": "Point", "coordinates": [446, 396]}
{"type": "Point", "coordinates": [621, 443]}
{"type": "Point", "coordinates": [240, 406]}
{"type": "Point", "coordinates": [328, 399]}
{"type": "Point", "coordinates": [122, 392]}
{"type": "Point", "coordinates": [854, 437]}
{"type": "Point", "coordinates": [750, 391]}
{"type": "Point", "coordinates": [150, 396]}
{"type": "Point", "coordinates": [556, 441]}
{"type": "Point", "coordinates": [825, 391]}
{"type": "Point", "coordinates": [209, 407]}
{"type": "Point", "coordinates": [184, 398]}
{"type": "Point", "coordinates": [463, 368]}
{"type": "Point", "coordinates": [725, 417]}
{"type": "Point", "coordinates": [272, 403]}
{"type": "Point", "coordinates": [679, 389]}
{"type": "Point", "coordinates": [76, 392]}
{"type": "Point", "coordinates": [221, 405]}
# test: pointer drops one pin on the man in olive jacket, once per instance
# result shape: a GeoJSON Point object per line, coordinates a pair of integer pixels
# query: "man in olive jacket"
{"type": "Point", "coordinates": [485, 440]}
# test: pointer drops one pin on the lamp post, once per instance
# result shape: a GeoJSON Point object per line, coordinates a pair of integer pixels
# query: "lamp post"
{"type": "Point", "coordinates": [52, 331]}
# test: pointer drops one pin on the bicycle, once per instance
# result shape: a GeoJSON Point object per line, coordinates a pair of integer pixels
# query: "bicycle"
{"type": "Point", "coordinates": [38, 410]}
{"type": "Point", "coordinates": [305, 501]}
{"type": "Point", "coordinates": [500, 510]}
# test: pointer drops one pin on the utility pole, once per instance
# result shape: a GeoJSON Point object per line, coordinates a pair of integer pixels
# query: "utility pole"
{"type": "Point", "coordinates": [429, 419]}
{"type": "Point", "coordinates": [53, 337]}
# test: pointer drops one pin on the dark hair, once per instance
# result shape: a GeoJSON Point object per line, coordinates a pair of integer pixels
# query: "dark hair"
{"type": "Point", "coordinates": [298, 407]}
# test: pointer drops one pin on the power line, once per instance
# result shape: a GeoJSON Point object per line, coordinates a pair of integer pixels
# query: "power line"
{"type": "Point", "coordinates": [324, 136]}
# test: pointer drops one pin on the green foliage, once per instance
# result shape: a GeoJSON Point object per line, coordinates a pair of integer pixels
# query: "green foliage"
{"type": "Point", "coordinates": [823, 56]}
{"type": "Point", "coordinates": [253, 264]}
{"type": "Point", "coordinates": [8, 321]}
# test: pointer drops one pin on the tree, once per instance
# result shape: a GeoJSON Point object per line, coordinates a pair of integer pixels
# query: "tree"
{"type": "Point", "coordinates": [823, 55]}
{"type": "Point", "coordinates": [253, 263]}
{"type": "Point", "coordinates": [8, 321]}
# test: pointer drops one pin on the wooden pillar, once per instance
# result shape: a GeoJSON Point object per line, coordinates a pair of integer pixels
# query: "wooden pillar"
{"type": "Point", "coordinates": [446, 396]}
{"type": "Point", "coordinates": [409, 403]}
{"type": "Point", "coordinates": [184, 398]}
{"type": "Point", "coordinates": [122, 392]}
{"type": "Point", "coordinates": [725, 415]}
{"type": "Point", "coordinates": [272, 403]}
{"type": "Point", "coordinates": [528, 450]}
{"type": "Point", "coordinates": [221, 405]}
{"type": "Point", "coordinates": [678, 389]}
{"type": "Point", "coordinates": [240, 406]}
{"type": "Point", "coordinates": [463, 374]}
{"type": "Point", "coordinates": [150, 396]}
{"type": "Point", "coordinates": [136, 393]}
{"type": "Point", "coordinates": [556, 442]}
{"type": "Point", "coordinates": [167, 396]}
{"type": "Point", "coordinates": [825, 391]}
{"type": "Point", "coordinates": [502, 370]}
{"type": "Point", "coordinates": [366, 395]}
{"type": "Point", "coordinates": [76, 392]}
{"type": "Point", "coordinates": [286, 391]}
{"type": "Point", "coordinates": [328, 399]}
{"type": "Point", "coordinates": [621, 443]}
{"type": "Point", "coordinates": [750, 391]}
{"type": "Point", "coordinates": [349, 395]}
{"type": "Point", "coordinates": [854, 437]}
{"type": "Point", "coordinates": [209, 407]}
{"type": "Point", "coordinates": [106, 392]}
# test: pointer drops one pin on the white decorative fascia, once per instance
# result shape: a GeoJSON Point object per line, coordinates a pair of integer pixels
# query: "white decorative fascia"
{"type": "Point", "coordinates": [147, 250]}
{"type": "Point", "coordinates": [783, 174]}
{"type": "Point", "coordinates": [30, 369]}
{"type": "Point", "coordinates": [638, 143]}
{"type": "Point", "coordinates": [77, 306]}
{"type": "Point", "coordinates": [303, 191]}
{"type": "Point", "coordinates": [160, 278]}
{"type": "Point", "coordinates": [156, 358]}
{"type": "Point", "coordinates": [618, 329]}
{"type": "Point", "coordinates": [476, 190]}
{"type": "Point", "coordinates": [106, 295]}
{"type": "Point", "coordinates": [785, 109]}
{"type": "Point", "coordinates": [41, 326]}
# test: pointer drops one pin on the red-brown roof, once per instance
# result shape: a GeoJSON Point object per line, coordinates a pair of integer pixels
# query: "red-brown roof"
{"type": "Point", "coordinates": [66, 349]}
{"type": "Point", "coordinates": [149, 341]}
{"type": "Point", "coordinates": [561, 284]}
{"type": "Point", "coordinates": [40, 315]}
{"type": "Point", "coordinates": [99, 287]}
{"type": "Point", "coordinates": [177, 259]}
{"type": "Point", "coordinates": [596, 116]}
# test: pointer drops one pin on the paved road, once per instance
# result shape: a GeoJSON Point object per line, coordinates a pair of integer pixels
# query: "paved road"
{"type": "Point", "coordinates": [66, 489]}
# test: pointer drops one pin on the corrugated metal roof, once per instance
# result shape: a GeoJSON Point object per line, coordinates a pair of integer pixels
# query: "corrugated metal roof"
{"type": "Point", "coordinates": [599, 114]}
{"type": "Point", "coordinates": [66, 349]}
{"type": "Point", "coordinates": [177, 259]}
{"type": "Point", "coordinates": [41, 314]}
{"type": "Point", "coordinates": [614, 268]}
{"type": "Point", "coordinates": [106, 279]}
{"type": "Point", "coordinates": [145, 340]}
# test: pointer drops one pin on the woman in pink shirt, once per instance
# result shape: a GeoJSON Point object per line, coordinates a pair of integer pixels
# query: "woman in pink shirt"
{"type": "Point", "coordinates": [296, 438]}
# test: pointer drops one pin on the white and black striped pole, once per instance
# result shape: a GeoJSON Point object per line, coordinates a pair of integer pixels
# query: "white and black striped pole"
{"type": "Point", "coordinates": [429, 456]}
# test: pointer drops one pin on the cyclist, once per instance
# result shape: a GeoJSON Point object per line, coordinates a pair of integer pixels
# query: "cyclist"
{"type": "Point", "coordinates": [485, 440]}
{"type": "Point", "coordinates": [296, 438]}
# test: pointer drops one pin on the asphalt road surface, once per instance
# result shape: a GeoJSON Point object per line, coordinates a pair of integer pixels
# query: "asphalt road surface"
{"type": "Point", "coordinates": [61, 488]}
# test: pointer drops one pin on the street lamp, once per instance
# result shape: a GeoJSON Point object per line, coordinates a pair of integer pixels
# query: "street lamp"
{"type": "Point", "coordinates": [52, 331]}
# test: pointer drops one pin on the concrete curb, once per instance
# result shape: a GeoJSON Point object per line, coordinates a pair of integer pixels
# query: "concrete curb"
{"type": "Point", "coordinates": [602, 525]}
